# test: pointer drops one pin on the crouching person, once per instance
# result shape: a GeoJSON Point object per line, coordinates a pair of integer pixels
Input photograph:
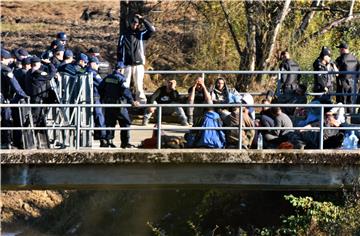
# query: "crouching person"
{"type": "Point", "coordinates": [166, 94]}
{"type": "Point", "coordinates": [113, 91]}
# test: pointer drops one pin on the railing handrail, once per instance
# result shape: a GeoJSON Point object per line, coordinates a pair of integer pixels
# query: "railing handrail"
{"type": "Point", "coordinates": [78, 127]}
{"type": "Point", "coordinates": [180, 105]}
{"type": "Point", "coordinates": [257, 72]}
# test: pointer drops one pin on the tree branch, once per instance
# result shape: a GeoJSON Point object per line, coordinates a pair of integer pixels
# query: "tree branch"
{"type": "Point", "coordinates": [279, 20]}
{"type": "Point", "coordinates": [306, 20]}
{"type": "Point", "coordinates": [231, 29]}
{"type": "Point", "coordinates": [334, 24]}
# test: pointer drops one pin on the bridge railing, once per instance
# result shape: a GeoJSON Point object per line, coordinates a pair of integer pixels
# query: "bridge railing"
{"type": "Point", "coordinates": [278, 75]}
{"type": "Point", "coordinates": [78, 127]}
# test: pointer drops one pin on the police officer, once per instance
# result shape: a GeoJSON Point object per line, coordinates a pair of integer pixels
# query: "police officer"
{"type": "Point", "coordinates": [11, 92]}
{"type": "Point", "coordinates": [62, 37]}
{"type": "Point", "coordinates": [289, 82]}
{"type": "Point", "coordinates": [81, 63]}
{"type": "Point", "coordinates": [49, 53]}
{"type": "Point", "coordinates": [114, 91]}
{"type": "Point", "coordinates": [99, 115]}
{"type": "Point", "coordinates": [38, 86]}
{"type": "Point", "coordinates": [104, 66]}
{"type": "Point", "coordinates": [324, 82]}
{"type": "Point", "coordinates": [58, 57]}
{"type": "Point", "coordinates": [345, 82]}
{"type": "Point", "coordinates": [67, 65]}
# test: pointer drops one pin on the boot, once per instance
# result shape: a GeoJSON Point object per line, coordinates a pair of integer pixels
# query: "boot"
{"type": "Point", "coordinates": [104, 143]}
{"type": "Point", "coordinates": [111, 144]}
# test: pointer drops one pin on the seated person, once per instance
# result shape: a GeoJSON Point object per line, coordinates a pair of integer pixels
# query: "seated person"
{"type": "Point", "coordinates": [273, 138]}
{"type": "Point", "coordinates": [221, 94]}
{"type": "Point", "coordinates": [232, 136]}
{"type": "Point", "coordinates": [198, 94]}
{"type": "Point", "coordinates": [166, 94]}
{"type": "Point", "coordinates": [295, 97]}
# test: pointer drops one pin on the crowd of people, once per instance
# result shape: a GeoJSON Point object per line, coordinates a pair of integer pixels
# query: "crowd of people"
{"type": "Point", "coordinates": [27, 77]}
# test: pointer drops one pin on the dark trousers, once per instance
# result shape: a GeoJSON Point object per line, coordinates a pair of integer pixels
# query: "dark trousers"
{"type": "Point", "coordinates": [121, 115]}
{"type": "Point", "coordinates": [6, 121]}
{"type": "Point", "coordinates": [99, 120]}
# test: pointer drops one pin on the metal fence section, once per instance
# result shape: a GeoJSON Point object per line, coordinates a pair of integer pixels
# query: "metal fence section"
{"type": "Point", "coordinates": [80, 127]}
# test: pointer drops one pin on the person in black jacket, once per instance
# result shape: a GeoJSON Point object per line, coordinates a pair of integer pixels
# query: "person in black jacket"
{"type": "Point", "coordinates": [131, 52]}
{"type": "Point", "coordinates": [288, 82]}
{"type": "Point", "coordinates": [165, 95]}
{"type": "Point", "coordinates": [11, 92]}
{"type": "Point", "coordinates": [345, 82]}
{"type": "Point", "coordinates": [324, 82]}
{"type": "Point", "coordinates": [113, 91]}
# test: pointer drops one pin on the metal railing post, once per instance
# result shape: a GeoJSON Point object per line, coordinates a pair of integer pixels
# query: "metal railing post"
{"type": "Point", "coordinates": [240, 126]}
{"type": "Point", "coordinates": [322, 128]}
{"type": "Point", "coordinates": [278, 84]}
{"type": "Point", "coordinates": [78, 123]}
{"type": "Point", "coordinates": [159, 127]}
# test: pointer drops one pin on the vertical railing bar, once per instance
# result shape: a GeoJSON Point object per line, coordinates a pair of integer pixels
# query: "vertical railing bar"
{"type": "Point", "coordinates": [278, 84]}
{"type": "Point", "coordinates": [78, 123]}
{"type": "Point", "coordinates": [159, 127]}
{"type": "Point", "coordinates": [240, 126]}
{"type": "Point", "coordinates": [322, 128]}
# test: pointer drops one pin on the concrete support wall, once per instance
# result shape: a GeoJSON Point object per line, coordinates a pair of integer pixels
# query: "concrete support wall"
{"type": "Point", "coordinates": [265, 170]}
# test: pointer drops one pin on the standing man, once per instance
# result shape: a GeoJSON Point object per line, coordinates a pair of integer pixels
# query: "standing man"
{"type": "Point", "coordinates": [324, 82]}
{"type": "Point", "coordinates": [113, 91]}
{"type": "Point", "coordinates": [345, 82]}
{"type": "Point", "coordinates": [10, 92]}
{"type": "Point", "coordinates": [131, 52]}
{"type": "Point", "coordinates": [289, 82]}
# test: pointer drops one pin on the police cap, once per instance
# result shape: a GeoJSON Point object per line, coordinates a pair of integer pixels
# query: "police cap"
{"type": "Point", "coordinates": [60, 48]}
{"type": "Point", "coordinates": [94, 50]}
{"type": "Point", "coordinates": [325, 52]}
{"type": "Point", "coordinates": [343, 45]}
{"type": "Point", "coordinates": [68, 53]}
{"type": "Point", "coordinates": [26, 61]}
{"type": "Point", "coordinates": [94, 59]}
{"type": "Point", "coordinates": [61, 36]}
{"type": "Point", "coordinates": [5, 54]}
{"type": "Point", "coordinates": [55, 43]}
{"type": "Point", "coordinates": [35, 59]}
{"type": "Point", "coordinates": [83, 57]}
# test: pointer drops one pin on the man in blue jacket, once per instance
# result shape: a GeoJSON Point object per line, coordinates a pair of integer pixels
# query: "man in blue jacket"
{"type": "Point", "coordinates": [131, 52]}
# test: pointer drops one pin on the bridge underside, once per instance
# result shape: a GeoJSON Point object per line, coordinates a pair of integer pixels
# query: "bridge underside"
{"type": "Point", "coordinates": [152, 169]}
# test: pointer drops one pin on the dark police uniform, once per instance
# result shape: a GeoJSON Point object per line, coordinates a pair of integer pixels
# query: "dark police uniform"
{"type": "Point", "coordinates": [289, 82]}
{"type": "Point", "coordinates": [322, 81]}
{"type": "Point", "coordinates": [345, 82]}
{"type": "Point", "coordinates": [9, 87]}
{"type": "Point", "coordinates": [113, 91]}
{"type": "Point", "coordinates": [38, 88]}
{"type": "Point", "coordinates": [99, 115]}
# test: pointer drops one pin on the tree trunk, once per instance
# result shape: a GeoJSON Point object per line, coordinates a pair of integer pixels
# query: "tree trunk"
{"type": "Point", "coordinates": [279, 20]}
{"type": "Point", "coordinates": [306, 20]}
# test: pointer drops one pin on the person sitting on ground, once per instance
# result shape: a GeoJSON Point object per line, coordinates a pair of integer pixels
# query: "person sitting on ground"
{"type": "Point", "coordinates": [298, 96]}
{"type": "Point", "coordinates": [232, 136]}
{"type": "Point", "coordinates": [221, 94]}
{"type": "Point", "coordinates": [198, 94]}
{"type": "Point", "coordinates": [273, 138]}
{"type": "Point", "coordinates": [166, 94]}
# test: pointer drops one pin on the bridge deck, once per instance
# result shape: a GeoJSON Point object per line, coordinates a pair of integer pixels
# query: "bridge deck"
{"type": "Point", "coordinates": [186, 168]}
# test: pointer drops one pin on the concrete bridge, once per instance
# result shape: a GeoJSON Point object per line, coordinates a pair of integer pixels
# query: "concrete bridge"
{"type": "Point", "coordinates": [185, 168]}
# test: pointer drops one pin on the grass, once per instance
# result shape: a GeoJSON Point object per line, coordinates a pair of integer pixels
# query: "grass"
{"type": "Point", "coordinates": [6, 27]}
